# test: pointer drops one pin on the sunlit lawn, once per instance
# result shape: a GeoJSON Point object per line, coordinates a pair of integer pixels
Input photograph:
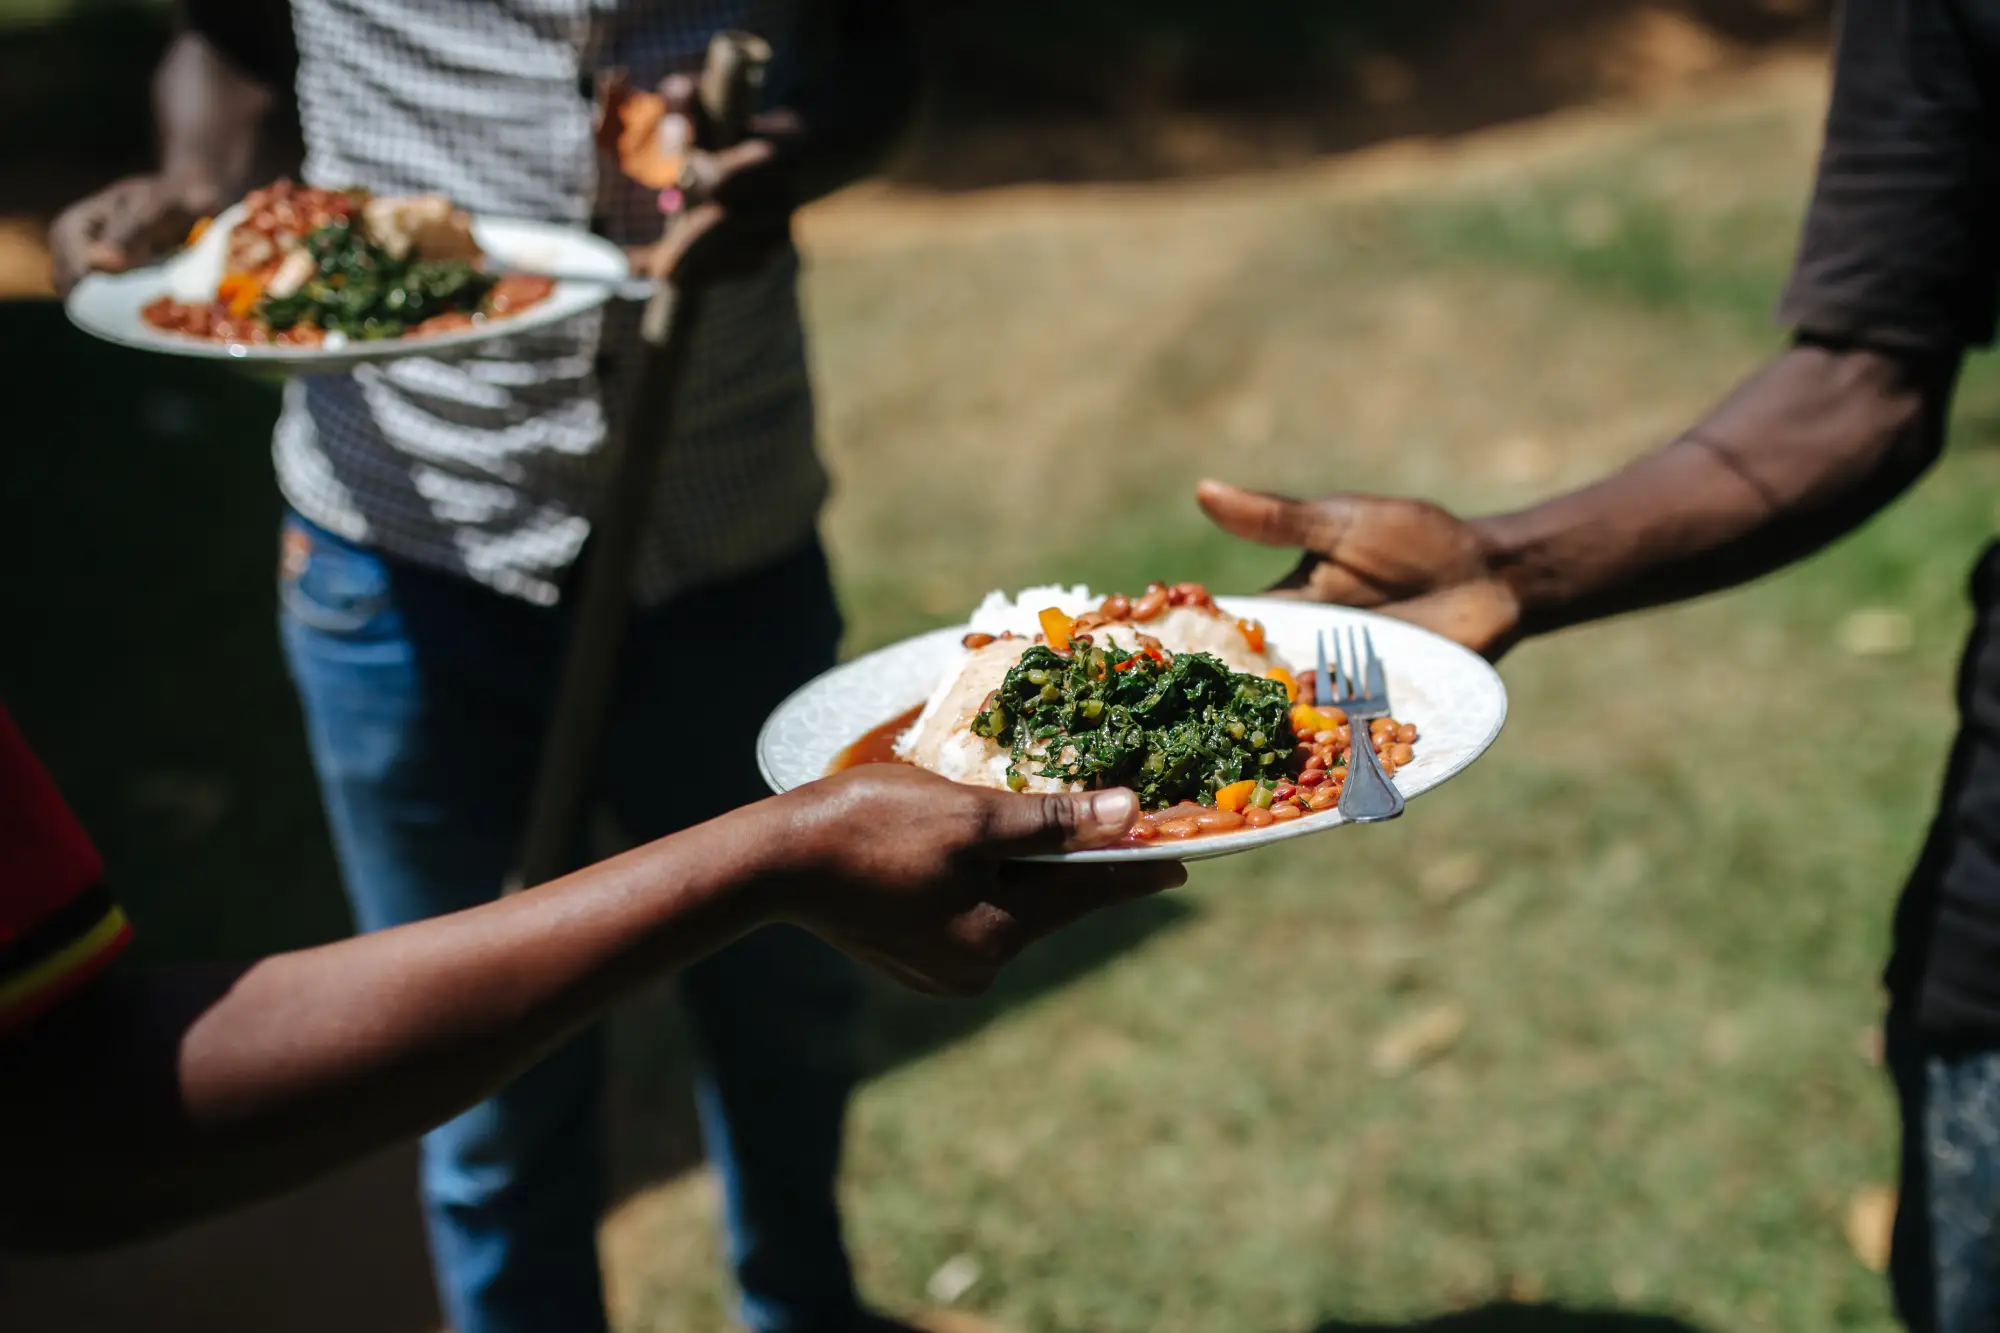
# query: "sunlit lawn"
{"type": "Point", "coordinates": [1657, 909]}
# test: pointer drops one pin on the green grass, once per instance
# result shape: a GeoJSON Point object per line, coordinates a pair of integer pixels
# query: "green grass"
{"type": "Point", "coordinates": [1669, 884]}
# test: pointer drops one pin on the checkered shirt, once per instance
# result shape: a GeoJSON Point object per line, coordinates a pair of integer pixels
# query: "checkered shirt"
{"type": "Point", "coordinates": [491, 465]}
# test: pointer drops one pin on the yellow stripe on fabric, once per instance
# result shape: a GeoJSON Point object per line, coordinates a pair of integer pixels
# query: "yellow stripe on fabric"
{"type": "Point", "coordinates": [50, 971]}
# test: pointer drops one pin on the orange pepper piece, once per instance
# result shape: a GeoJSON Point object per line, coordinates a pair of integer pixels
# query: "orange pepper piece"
{"type": "Point", "coordinates": [1253, 634]}
{"type": "Point", "coordinates": [198, 230]}
{"type": "Point", "coordinates": [1306, 720]}
{"type": "Point", "coordinates": [1286, 679]}
{"type": "Point", "coordinates": [1236, 795]}
{"type": "Point", "coordinates": [239, 291]}
{"type": "Point", "coordinates": [1055, 625]}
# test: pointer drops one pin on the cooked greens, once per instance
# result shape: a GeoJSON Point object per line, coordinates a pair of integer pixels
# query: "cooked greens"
{"type": "Point", "coordinates": [1172, 729]}
{"type": "Point", "coordinates": [363, 291]}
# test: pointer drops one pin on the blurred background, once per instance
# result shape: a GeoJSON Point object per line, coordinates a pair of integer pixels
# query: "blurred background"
{"type": "Point", "coordinates": [1585, 1044]}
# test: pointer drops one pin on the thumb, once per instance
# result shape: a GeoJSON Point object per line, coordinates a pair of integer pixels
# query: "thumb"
{"type": "Point", "coordinates": [1274, 520]}
{"type": "Point", "coordinates": [1066, 822]}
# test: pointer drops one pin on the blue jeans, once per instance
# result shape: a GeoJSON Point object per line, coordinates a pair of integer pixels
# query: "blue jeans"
{"type": "Point", "coordinates": [1945, 1262]}
{"type": "Point", "coordinates": [425, 697]}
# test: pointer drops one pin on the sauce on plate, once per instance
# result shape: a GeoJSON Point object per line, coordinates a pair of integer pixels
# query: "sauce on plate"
{"type": "Point", "coordinates": [877, 745]}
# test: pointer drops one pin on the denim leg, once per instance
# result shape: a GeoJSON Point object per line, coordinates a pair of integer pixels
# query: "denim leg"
{"type": "Point", "coordinates": [1946, 1264]}
{"type": "Point", "coordinates": [774, 1015]}
{"type": "Point", "coordinates": [420, 695]}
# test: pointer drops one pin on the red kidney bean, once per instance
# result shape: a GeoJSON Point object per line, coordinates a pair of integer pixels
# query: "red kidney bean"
{"type": "Point", "coordinates": [1179, 828]}
{"type": "Point", "coordinates": [1149, 606]}
{"type": "Point", "coordinates": [1116, 607]}
{"type": "Point", "coordinates": [1312, 777]}
{"type": "Point", "coordinates": [1218, 821]}
{"type": "Point", "coordinates": [1285, 811]}
{"type": "Point", "coordinates": [977, 640]}
{"type": "Point", "coordinates": [1283, 791]}
{"type": "Point", "coordinates": [1323, 798]}
{"type": "Point", "coordinates": [1257, 817]}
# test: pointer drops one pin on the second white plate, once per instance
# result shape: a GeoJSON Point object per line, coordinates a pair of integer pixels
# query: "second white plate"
{"type": "Point", "coordinates": [108, 304]}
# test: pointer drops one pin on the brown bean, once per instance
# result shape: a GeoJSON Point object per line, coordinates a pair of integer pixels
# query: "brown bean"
{"type": "Point", "coordinates": [1379, 726]}
{"type": "Point", "coordinates": [1407, 733]}
{"type": "Point", "coordinates": [1116, 607]}
{"type": "Point", "coordinates": [1338, 716]}
{"type": "Point", "coordinates": [1150, 605]}
{"type": "Point", "coordinates": [1258, 817]}
{"type": "Point", "coordinates": [1323, 798]}
{"type": "Point", "coordinates": [1218, 821]}
{"type": "Point", "coordinates": [1143, 832]}
{"type": "Point", "coordinates": [1343, 735]}
{"type": "Point", "coordinates": [1284, 791]}
{"type": "Point", "coordinates": [1400, 754]}
{"type": "Point", "coordinates": [1312, 777]}
{"type": "Point", "coordinates": [1188, 594]}
{"type": "Point", "coordinates": [1286, 811]}
{"type": "Point", "coordinates": [976, 640]}
{"type": "Point", "coordinates": [1179, 828]}
{"type": "Point", "coordinates": [1325, 737]}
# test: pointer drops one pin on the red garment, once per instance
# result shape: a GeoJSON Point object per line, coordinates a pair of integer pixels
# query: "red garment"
{"type": "Point", "coordinates": [58, 925]}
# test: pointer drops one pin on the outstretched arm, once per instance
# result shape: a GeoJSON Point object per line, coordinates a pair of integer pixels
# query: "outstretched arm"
{"type": "Point", "coordinates": [1803, 452]}
{"type": "Point", "coordinates": [149, 1101]}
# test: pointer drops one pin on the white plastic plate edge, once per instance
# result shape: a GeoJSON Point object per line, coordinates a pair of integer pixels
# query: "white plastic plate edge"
{"type": "Point", "coordinates": [107, 305]}
{"type": "Point", "coordinates": [1454, 697]}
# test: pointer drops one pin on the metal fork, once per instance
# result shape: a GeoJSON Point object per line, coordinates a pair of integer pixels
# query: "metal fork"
{"type": "Point", "coordinates": [1367, 797]}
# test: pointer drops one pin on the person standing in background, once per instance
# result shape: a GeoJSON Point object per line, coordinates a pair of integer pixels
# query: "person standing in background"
{"type": "Point", "coordinates": [439, 512]}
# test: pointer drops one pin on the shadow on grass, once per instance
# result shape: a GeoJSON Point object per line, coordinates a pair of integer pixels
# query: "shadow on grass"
{"type": "Point", "coordinates": [138, 517]}
{"type": "Point", "coordinates": [1509, 1317]}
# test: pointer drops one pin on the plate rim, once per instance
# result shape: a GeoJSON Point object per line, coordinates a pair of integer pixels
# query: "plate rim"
{"type": "Point", "coordinates": [1217, 845]}
{"type": "Point", "coordinates": [307, 360]}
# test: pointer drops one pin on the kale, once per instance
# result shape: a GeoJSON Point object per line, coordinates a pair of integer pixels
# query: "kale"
{"type": "Point", "coordinates": [363, 291]}
{"type": "Point", "coordinates": [1171, 728]}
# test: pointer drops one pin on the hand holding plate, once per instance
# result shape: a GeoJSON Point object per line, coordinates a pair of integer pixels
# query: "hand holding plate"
{"type": "Point", "coordinates": [914, 874]}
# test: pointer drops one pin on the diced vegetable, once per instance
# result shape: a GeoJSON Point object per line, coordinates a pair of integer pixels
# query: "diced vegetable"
{"type": "Point", "coordinates": [1286, 679]}
{"type": "Point", "coordinates": [1306, 720]}
{"type": "Point", "coordinates": [1236, 795]}
{"type": "Point", "coordinates": [199, 229]}
{"type": "Point", "coordinates": [1055, 626]}
{"type": "Point", "coordinates": [1253, 634]}
{"type": "Point", "coordinates": [240, 292]}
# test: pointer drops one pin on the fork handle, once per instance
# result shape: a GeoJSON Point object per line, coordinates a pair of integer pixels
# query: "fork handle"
{"type": "Point", "coordinates": [1367, 796]}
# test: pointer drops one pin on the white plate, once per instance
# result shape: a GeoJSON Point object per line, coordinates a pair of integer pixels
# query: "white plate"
{"type": "Point", "coordinates": [108, 304]}
{"type": "Point", "coordinates": [1453, 696]}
